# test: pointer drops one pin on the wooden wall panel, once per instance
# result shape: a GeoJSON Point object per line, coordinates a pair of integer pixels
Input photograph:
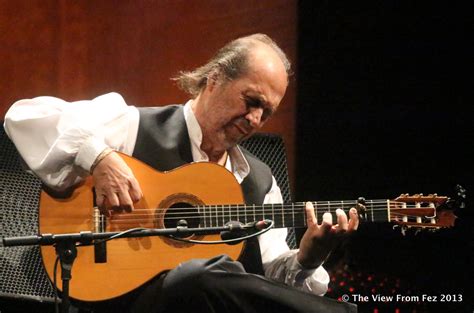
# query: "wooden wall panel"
{"type": "Point", "coordinates": [81, 49]}
{"type": "Point", "coordinates": [28, 50]}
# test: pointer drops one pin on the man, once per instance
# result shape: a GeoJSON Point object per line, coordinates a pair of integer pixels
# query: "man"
{"type": "Point", "coordinates": [233, 95]}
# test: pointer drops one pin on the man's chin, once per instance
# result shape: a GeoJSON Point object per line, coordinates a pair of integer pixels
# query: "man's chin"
{"type": "Point", "coordinates": [238, 140]}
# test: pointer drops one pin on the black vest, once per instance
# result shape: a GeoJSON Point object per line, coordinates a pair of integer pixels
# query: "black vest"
{"type": "Point", "coordinates": [163, 143]}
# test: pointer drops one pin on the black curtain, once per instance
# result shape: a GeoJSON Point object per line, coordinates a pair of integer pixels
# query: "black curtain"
{"type": "Point", "coordinates": [384, 96]}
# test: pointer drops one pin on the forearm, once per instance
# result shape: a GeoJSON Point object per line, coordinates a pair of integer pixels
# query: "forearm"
{"type": "Point", "coordinates": [59, 140]}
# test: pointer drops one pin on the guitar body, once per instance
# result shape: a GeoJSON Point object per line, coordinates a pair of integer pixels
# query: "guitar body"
{"type": "Point", "coordinates": [131, 262]}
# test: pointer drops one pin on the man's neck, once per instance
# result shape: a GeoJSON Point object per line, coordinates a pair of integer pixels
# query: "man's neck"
{"type": "Point", "coordinates": [219, 158]}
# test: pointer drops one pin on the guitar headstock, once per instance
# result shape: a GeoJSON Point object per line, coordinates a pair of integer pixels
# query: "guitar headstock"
{"type": "Point", "coordinates": [421, 211]}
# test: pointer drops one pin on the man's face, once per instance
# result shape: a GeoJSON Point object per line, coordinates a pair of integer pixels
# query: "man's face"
{"type": "Point", "coordinates": [234, 110]}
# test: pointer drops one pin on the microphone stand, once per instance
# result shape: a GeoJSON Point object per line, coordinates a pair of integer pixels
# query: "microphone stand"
{"type": "Point", "coordinates": [66, 245]}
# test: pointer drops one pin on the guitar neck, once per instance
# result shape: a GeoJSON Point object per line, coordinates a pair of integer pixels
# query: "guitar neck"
{"type": "Point", "coordinates": [289, 215]}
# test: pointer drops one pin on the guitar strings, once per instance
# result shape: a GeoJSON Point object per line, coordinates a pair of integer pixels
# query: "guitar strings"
{"type": "Point", "coordinates": [382, 205]}
{"type": "Point", "coordinates": [145, 217]}
{"type": "Point", "coordinates": [191, 214]}
{"type": "Point", "coordinates": [278, 209]}
{"type": "Point", "coordinates": [214, 217]}
{"type": "Point", "coordinates": [265, 209]}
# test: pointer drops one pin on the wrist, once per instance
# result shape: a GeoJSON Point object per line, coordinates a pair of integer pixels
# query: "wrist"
{"type": "Point", "coordinates": [88, 151]}
{"type": "Point", "coordinates": [100, 157]}
{"type": "Point", "coordinates": [306, 264]}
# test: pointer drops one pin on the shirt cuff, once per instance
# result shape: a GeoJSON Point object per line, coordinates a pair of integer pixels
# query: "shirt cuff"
{"type": "Point", "coordinates": [89, 151]}
{"type": "Point", "coordinates": [300, 273]}
{"type": "Point", "coordinates": [287, 269]}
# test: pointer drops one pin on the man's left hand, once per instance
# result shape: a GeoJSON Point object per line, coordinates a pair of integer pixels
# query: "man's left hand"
{"type": "Point", "coordinates": [320, 239]}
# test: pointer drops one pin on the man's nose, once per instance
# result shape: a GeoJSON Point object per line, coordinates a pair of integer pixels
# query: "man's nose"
{"type": "Point", "coordinates": [254, 116]}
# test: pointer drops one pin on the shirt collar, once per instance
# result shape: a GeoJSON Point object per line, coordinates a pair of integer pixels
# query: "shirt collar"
{"type": "Point", "coordinates": [236, 162]}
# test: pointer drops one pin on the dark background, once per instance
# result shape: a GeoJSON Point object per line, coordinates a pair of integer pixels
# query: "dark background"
{"type": "Point", "coordinates": [384, 96]}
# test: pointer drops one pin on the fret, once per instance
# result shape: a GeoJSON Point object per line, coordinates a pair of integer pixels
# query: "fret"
{"type": "Point", "coordinates": [216, 216]}
{"type": "Point", "coordinates": [388, 211]}
{"type": "Point", "coordinates": [210, 216]}
{"type": "Point", "coordinates": [223, 215]}
{"type": "Point", "coordinates": [202, 220]}
{"type": "Point", "coordinates": [254, 217]}
{"type": "Point", "coordinates": [282, 215]}
{"type": "Point", "coordinates": [238, 217]}
{"type": "Point", "coordinates": [245, 213]}
{"type": "Point", "coordinates": [293, 213]}
{"type": "Point", "coordinates": [316, 209]}
{"type": "Point", "coordinates": [201, 217]}
{"type": "Point", "coordinates": [303, 216]}
{"type": "Point", "coordinates": [209, 208]}
{"type": "Point", "coordinates": [273, 213]}
{"type": "Point", "coordinates": [230, 214]}
{"type": "Point", "coordinates": [372, 210]}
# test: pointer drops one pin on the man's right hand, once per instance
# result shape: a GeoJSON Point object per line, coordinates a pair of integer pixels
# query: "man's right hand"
{"type": "Point", "coordinates": [116, 187]}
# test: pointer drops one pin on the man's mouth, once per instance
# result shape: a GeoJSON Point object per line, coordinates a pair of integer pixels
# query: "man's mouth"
{"type": "Point", "coordinates": [241, 129]}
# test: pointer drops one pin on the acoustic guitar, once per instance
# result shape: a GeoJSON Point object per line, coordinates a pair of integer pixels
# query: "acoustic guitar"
{"type": "Point", "coordinates": [202, 194]}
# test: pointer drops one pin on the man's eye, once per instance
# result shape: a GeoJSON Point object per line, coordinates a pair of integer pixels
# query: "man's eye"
{"type": "Point", "coordinates": [252, 103]}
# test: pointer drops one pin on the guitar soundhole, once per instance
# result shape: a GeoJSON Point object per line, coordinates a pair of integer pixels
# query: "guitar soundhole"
{"type": "Point", "coordinates": [182, 214]}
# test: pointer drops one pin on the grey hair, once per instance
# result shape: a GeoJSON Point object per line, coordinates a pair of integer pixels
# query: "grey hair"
{"type": "Point", "coordinates": [231, 61]}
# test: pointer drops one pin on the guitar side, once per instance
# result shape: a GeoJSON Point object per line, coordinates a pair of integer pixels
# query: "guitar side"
{"type": "Point", "coordinates": [131, 262]}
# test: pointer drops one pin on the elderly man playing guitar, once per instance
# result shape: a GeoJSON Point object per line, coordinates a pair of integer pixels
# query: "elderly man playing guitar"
{"type": "Point", "coordinates": [233, 95]}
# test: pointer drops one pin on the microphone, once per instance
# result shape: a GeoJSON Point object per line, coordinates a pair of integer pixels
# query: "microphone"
{"type": "Point", "coordinates": [238, 229]}
{"type": "Point", "coordinates": [257, 225]}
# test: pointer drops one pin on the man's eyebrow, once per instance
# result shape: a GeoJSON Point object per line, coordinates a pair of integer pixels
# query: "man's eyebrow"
{"type": "Point", "coordinates": [256, 96]}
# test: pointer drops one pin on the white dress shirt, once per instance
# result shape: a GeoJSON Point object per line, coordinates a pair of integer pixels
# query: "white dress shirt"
{"type": "Point", "coordinates": [60, 140]}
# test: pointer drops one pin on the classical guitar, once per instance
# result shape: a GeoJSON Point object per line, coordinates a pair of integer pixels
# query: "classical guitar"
{"type": "Point", "coordinates": [203, 194]}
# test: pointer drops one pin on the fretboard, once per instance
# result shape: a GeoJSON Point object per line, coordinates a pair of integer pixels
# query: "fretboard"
{"type": "Point", "coordinates": [287, 215]}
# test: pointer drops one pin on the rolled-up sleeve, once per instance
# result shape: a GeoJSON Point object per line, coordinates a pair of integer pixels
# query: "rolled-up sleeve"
{"type": "Point", "coordinates": [60, 140]}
